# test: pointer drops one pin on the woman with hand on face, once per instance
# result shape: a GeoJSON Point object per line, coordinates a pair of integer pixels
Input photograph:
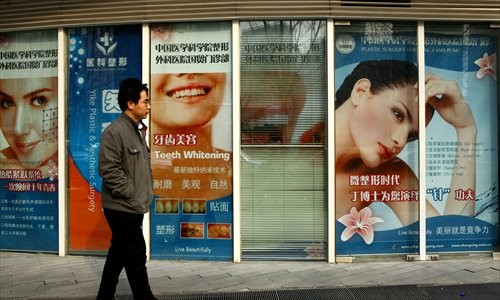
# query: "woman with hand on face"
{"type": "Point", "coordinates": [184, 108]}
{"type": "Point", "coordinates": [28, 121]}
{"type": "Point", "coordinates": [377, 115]}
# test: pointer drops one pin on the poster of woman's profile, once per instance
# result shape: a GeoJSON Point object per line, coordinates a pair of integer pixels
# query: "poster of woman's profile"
{"type": "Point", "coordinates": [377, 136]}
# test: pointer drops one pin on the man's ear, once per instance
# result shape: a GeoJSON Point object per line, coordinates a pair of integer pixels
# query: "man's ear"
{"type": "Point", "coordinates": [360, 91]}
{"type": "Point", "coordinates": [130, 104]}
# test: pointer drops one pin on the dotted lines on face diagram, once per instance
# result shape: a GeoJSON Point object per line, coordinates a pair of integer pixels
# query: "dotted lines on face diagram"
{"type": "Point", "coordinates": [49, 125]}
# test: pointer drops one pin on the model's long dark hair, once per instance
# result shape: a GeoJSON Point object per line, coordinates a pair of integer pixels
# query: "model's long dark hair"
{"type": "Point", "coordinates": [383, 74]}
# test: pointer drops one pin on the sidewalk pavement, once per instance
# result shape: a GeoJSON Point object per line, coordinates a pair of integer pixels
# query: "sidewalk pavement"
{"type": "Point", "coordinates": [48, 276]}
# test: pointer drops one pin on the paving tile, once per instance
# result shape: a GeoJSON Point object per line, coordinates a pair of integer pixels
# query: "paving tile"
{"type": "Point", "coordinates": [47, 275]}
{"type": "Point", "coordinates": [28, 289]}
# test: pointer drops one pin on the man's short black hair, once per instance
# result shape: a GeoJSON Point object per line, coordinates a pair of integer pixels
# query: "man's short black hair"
{"type": "Point", "coordinates": [130, 90]}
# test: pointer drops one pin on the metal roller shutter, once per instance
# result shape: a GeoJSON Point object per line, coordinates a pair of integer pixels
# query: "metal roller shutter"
{"type": "Point", "coordinates": [33, 14]}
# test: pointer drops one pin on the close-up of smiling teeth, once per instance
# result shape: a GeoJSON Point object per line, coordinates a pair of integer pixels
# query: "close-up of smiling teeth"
{"type": "Point", "coordinates": [270, 120]}
{"type": "Point", "coordinates": [270, 129]}
{"type": "Point", "coordinates": [189, 93]}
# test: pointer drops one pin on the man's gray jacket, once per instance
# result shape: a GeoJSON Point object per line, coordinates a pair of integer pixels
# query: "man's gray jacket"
{"type": "Point", "coordinates": [125, 167]}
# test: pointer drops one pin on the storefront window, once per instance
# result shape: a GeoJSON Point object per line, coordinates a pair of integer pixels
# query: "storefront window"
{"type": "Point", "coordinates": [376, 124]}
{"type": "Point", "coordinates": [191, 146]}
{"type": "Point", "coordinates": [29, 179]}
{"type": "Point", "coordinates": [283, 110]}
{"type": "Point", "coordinates": [462, 137]}
{"type": "Point", "coordinates": [377, 184]}
{"type": "Point", "coordinates": [99, 59]}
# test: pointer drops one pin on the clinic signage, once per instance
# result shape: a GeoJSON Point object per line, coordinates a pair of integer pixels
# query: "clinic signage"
{"type": "Point", "coordinates": [99, 58]}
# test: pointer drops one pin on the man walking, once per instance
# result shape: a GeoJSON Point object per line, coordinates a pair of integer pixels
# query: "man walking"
{"type": "Point", "coordinates": [127, 190]}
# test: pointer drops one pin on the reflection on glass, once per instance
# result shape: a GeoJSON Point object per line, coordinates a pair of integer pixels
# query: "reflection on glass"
{"type": "Point", "coordinates": [282, 82]}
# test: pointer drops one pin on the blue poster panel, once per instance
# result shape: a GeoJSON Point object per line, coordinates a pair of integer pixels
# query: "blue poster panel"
{"type": "Point", "coordinates": [29, 141]}
{"type": "Point", "coordinates": [99, 58]}
{"type": "Point", "coordinates": [192, 215]}
{"type": "Point", "coordinates": [462, 145]}
{"type": "Point", "coordinates": [377, 123]}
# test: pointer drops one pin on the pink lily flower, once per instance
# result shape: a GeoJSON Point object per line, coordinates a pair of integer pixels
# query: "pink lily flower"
{"type": "Point", "coordinates": [53, 172]}
{"type": "Point", "coordinates": [359, 222]}
{"type": "Point", "coordinates": [161, 33]}
{"type": "Point", "coordinates": [487, 66]}
{"type": "Point", "coordinates": [315, 250]}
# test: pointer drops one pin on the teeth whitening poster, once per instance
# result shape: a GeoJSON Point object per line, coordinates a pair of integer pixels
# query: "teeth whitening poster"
{"type": "Point", "coordinates": [377, 193]}
{"type": "Point", "coordinates": [191, 151]}
{"type": "Point", "coordinates": [29, 179]}
{"type": "Point", "coordinates": [99, 58]}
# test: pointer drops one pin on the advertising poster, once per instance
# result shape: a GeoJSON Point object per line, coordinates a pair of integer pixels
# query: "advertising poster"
{"type": "Point", "coordinates": [191, 149]}
{"type": "Point", "coordinates": [462, 164]}
{"type": "Point", "coordinates": [99, 58]}
{"type": "Point", "coordinates": [377, 123]}
{"type": "Point", "coordinates": [29, 141]}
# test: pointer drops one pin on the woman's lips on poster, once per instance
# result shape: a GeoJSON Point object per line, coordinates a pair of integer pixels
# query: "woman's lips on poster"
{"type": "Point", "coordinates": [268, 121]}
{"type": "Point", "coordinates": [385, 152]}
{"type": "Point", "coordinates": [270, 110]}
{"type": "Point", "coordinates": [26, 146]}
{"type": "Point", "coordinates": [265, 125]}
